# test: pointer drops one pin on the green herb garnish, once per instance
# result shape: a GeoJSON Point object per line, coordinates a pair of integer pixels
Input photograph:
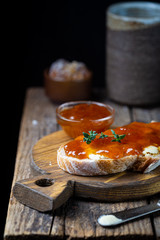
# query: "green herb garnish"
{"type": "Point", "coordinates": [88, 138]}
{"type": "Point", "coordinates": [103, 135]}
{"type": "Point", "coordinates": [117, 137]}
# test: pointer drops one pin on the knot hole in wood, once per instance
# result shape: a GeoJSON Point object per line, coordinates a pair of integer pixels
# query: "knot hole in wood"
{"type": "Point", "coordinates": [44, 182]}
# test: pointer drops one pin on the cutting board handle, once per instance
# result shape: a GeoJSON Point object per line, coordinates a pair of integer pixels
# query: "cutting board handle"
{"type": "Point", "coordinates": [43, 193]}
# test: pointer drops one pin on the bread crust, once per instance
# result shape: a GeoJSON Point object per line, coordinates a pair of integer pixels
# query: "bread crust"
{"type": "Point", "coordinates": [90, 167]}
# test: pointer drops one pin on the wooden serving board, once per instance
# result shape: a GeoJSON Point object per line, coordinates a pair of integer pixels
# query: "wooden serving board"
{"type": "Point", "coordinates": [50, 190]}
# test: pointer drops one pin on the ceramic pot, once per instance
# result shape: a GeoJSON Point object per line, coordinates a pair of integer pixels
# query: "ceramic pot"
{"type": "Point", "coordinates": [133, 53]}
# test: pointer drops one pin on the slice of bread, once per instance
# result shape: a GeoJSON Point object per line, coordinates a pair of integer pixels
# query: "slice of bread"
{"type": "Point", "coordinates": [96, 164]}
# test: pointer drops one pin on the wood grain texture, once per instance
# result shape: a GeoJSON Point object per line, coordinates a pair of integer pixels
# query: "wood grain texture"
{"type": "Point", "coordinates": [35, 123]}
{"type": "Point", "coordinates": [122, 114]}
{"type": "Point", "coordinates": [81, 221]}
{"type": "Point", "coordinates": [77, 219]}
{"type": "Point", "coordinates": [114, 187]}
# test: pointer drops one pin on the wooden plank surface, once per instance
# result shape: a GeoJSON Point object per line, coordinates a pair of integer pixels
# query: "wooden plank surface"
{"type": "Point", "coordinates": [36, 123]}
{"type": "Point", "coordinates": [77, 219]}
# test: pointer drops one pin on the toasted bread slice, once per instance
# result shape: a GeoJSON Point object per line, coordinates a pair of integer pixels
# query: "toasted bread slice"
{"type": "Point", "coordinates": [100, 164]}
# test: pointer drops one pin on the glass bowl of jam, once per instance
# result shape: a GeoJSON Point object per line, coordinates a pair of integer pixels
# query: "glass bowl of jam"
{"type": "Point", "coordinates": [82, 116]}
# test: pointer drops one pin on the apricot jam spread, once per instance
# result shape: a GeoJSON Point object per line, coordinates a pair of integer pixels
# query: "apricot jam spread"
{"type": "Point", "coordinates": [138, 136]}
{"type": "Point", "coordinates": [76, 118]}
{"type": "Point", "coordinates": [85, 112]}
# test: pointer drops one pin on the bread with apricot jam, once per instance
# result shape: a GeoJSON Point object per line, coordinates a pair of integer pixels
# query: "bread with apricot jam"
{"type": "Point", "coordinates": [138, 150]}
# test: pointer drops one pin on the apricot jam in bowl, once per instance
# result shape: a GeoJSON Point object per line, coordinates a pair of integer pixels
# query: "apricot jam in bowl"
{"type": "Point", "coordinates": [83, 116]}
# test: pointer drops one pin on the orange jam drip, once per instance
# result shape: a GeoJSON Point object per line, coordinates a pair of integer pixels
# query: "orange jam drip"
{"type": "Point", "coordinates": [138, 136]}
{"type": "Point", "coordinates": [85, 112]}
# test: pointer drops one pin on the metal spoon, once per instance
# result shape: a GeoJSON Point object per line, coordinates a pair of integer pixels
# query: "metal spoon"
{"type": "Point", "coordinates": [127, 215]}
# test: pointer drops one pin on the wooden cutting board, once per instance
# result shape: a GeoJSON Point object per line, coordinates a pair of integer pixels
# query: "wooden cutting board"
{"type": "Point", "coordinates": [50, 190]}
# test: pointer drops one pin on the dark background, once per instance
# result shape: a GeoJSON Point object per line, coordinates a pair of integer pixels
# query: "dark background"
{"type": "Point", "coordinates": [36, 33]}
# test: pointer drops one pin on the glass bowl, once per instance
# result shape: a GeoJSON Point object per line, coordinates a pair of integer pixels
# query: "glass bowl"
{"type": "Point", "coordinates": [76, 126]}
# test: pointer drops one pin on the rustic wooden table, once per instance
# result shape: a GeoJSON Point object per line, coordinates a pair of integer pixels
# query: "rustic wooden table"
{"type": "Point", "coordinates": [77, 219]}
